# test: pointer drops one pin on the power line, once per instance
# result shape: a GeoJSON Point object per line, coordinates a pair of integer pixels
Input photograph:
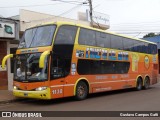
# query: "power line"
{"type": "Point", "coordinates": [71, 2]}
{"type": "Point", "coordinates": [137, 35]}
{"type": "Point", "coordinates": [70, 10]}
{"type": "Point", "coordinates": [133, 32]}
{"type": "Point", "coordinates": [137, 26]}
{"type": "Point", "coordinates": [30, 5]}
{"type": "Point", "coordinates": [96, 6]}
{"type": "Point", "coordinates": [135, 23]}
{"type": "Point", "coordinates": [75, 7]}
{"type": "Point", "coordinates": [67, 1]}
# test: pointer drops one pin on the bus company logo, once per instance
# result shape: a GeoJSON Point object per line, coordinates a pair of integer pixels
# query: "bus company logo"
{"type": "Point", "coordinates": [6, 114]}
{"type": "Point", "coordinates": [21, 114]}
{"type": "Point", "coordinates": [146, 62]}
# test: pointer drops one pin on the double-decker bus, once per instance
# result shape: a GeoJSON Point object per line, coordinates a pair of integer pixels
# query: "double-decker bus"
{"type": "Point", "coordinates": [62, 59]}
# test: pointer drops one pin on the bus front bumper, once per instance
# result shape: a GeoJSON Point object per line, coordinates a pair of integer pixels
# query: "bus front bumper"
{"type": "Point", "coordinates": [44, 94]}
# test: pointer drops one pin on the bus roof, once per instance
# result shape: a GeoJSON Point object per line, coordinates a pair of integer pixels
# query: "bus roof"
{"type": "Point", "coordinates": [96, 29]}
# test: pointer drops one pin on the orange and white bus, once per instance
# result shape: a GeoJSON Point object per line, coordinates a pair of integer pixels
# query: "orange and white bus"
{"type": "Point", "coordinates": [61, 59]}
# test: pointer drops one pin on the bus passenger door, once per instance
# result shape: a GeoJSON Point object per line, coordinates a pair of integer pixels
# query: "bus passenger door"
{"type": "Point", "coordinates": [57, 77]}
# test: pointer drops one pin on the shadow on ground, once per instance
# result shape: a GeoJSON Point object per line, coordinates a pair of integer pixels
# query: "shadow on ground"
{"type": "Point", "coordinates": [72, 99]}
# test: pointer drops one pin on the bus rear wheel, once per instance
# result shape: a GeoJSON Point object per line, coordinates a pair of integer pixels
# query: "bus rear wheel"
{"type": "Point", "coordinates": [139, 84]}
{"type": "Point", "coordinates": [146, 83]}
{"type": "Point", "coordinates": [81, 91]}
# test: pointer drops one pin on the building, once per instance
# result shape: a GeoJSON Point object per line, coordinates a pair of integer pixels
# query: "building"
{"type": "Point", "coordinates": [9, 38]}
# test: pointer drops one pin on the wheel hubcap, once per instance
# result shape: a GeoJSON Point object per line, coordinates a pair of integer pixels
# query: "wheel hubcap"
{"type": "Point", "coordinates": [81, 91]}
{"type": "Point", "coordinates": [139, 85]}
{"type": "Point", "coordinates": [147, 84]}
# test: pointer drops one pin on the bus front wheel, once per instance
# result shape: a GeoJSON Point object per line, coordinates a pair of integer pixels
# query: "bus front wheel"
{"type": "Point", "coordinates": [139, 84]}
{"type": "Point", "coordinates": [81, 91]}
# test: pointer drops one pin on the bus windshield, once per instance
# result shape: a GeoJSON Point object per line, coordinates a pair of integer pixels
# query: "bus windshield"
{"type": "Point", "coordinates": [27, 68]}
{"type": "Point", "coordinates": [38, 36]}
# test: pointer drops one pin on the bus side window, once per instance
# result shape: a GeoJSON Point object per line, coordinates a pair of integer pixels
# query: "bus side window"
{"type": "Point", "coordinates": [100, 39]}
{"type": "Point", "coordinates": [140, 47]}
{"type": "Point", "coordinates": [135, 48]}
{"type": "Point", "coordinates": [150, 48]}
{"type": "Point", "coordinates": [154, 49]}
{"type": "Point", "coordinates": [87, 37]}
{"type": "Point", "coordinates": [128, 44]}
{"type": "Point", "coordinates": [103, 40]}
{"type": "Point", "coordinates": [145, 47]}
{"type": "Point", "coordinates": [116, 42]}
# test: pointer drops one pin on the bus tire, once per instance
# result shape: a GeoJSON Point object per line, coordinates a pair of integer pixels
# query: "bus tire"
{"type": "Point", "coordinates": [81, 91]}
{"type": "Point", "coordinates": [146, 83]}
{"type": "Point", "coordinates": [139, 84]}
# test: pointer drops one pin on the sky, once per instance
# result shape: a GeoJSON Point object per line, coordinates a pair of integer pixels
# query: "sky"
{"type": "Point", "coordinates": [131, 17]}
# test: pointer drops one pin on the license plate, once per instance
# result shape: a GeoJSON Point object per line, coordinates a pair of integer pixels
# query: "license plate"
{"type": "Point", "coordinates": [25, 94]}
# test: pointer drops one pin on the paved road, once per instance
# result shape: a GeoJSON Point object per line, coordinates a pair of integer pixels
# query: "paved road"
{"type": "Point", "coordinates": [122, 100]}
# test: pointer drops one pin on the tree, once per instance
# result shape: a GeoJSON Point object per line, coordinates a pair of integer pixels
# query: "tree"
{"type": "Point", "coordinates": [149, 35]}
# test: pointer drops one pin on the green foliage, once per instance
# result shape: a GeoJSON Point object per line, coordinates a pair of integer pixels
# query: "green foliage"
{"type": "Point", "coordinates": [149, 35]}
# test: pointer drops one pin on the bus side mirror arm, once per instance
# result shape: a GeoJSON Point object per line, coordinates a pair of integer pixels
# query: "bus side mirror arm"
{"type": "Point", "coordinates": [42, 58]}
{"type": "Point", "coordinates": [5, 59]}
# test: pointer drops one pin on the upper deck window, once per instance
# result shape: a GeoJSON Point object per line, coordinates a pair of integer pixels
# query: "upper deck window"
{"type": "Point", "coordinates": [66, 35]}
{"type": "Point", "coordinates": [103, 39]}
{"type": "Point", "coordinates": [116, 42]}
{"type": "Point", "coordinates": [107, 40]}
{"type": "Point", "coordinates": [87, 37]}
{"type": "Point", "coordinates": [38, 36]}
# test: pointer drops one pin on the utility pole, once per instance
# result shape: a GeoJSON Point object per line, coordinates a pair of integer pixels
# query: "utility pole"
{"type": "Point", "coordinates": [90, 11]}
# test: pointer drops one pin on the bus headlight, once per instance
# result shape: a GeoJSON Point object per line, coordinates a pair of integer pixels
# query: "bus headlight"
{"type": "Point", "coordinates": [15, 87]}
{"type": "Point", "coordinates": [41, 88]}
